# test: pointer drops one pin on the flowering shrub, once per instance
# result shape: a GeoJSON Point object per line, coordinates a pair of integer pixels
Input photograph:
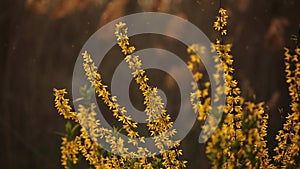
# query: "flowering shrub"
{"type": "Point", "coordinates": [238, 142]}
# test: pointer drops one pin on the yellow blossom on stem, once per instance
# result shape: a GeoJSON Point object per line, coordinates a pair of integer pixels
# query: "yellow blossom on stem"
{"type": "Point", "coordinates": [62, 105]}
{"type": "Point", "coordinates": [288, 149]}
{"type": "Point", "coordinates": [239, 142]}
{"type": "Point", "coordinates": [158, 121]}
{"type": "Point", "coordinates": [111, 101]}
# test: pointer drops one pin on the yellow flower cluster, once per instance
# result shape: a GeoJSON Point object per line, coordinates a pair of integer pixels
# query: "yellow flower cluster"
{"type": "Point", "coordinates": [86, 145]}
{"type": "Point", "coordinates": [69, 152]}
{"type": "Point", "coordinates": [229, 133]}
{"type": "Point", "coordinates": [239, 142]}
{"type": "Point", "coordinates": [255, 151]}
{"type": "Point", "coordinates": [199, 98]}
{"type": "Point", "coordinates": [221, 21]}
{"type": "Point", "coordinates": [288, 149]}
{"type": "Point", "coordinates": [111, 101]}
{"type": "Point", "coordinates": [122, 38]}
{"type": "Point", "coordinates": [70, 148]}
{"type": "Point", "coordinates": [62, 105]}
{"type": "Point", "coordinates": [90, 151]}
{"type": "Point", "coordinates": [158, 120]}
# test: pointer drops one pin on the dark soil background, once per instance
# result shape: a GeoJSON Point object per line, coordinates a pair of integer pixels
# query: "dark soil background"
{"type": "Point", "coordinates": [41, 39]}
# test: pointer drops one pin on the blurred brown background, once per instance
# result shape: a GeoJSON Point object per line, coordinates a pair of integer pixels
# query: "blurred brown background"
{"type": "Point", "coordinates": [41, 39]}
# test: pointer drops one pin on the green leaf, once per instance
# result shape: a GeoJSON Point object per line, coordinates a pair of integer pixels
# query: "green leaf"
{"type": "Point", "coordinates": [68, 127]}
{"type": "Point", "coordinates": [74, 129]}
